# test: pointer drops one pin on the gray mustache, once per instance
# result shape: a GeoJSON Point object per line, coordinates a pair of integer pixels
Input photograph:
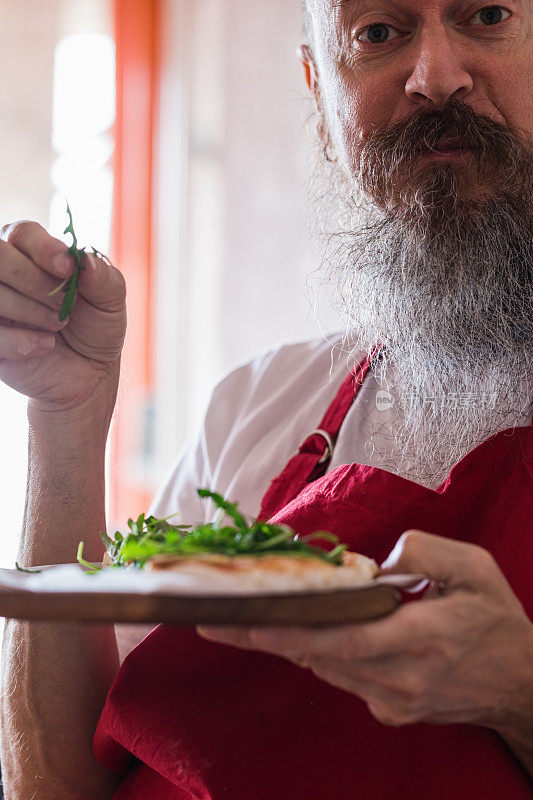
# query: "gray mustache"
{"type": "Point", "coordinates": [496, 149]}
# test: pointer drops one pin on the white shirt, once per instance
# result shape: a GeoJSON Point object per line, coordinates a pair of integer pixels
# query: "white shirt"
{"type": "Point", "coordinates": [256, 419]}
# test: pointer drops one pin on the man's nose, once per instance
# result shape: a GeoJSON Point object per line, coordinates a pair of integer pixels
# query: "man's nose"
{"type": "Point", "coordinates": [438, 74]}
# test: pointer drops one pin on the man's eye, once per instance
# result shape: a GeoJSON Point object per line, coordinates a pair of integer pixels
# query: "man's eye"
{"type": "Point", "coordinates": [377, 34]}
{"type": "Point", "coordinates": [491, 15]}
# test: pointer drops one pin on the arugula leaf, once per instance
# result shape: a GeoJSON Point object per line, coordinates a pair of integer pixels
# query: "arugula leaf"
{"type": "Point", "coordinates": [70, 285]}
{"type": "Point", "coordinates": [149, 536]}
{"type": "Point", "coordinates": [108, 542]}
{"type": "Point", "coordinates": [230, 508]}
{"type": "Point", "coordinates": [71, 292]}
{"type": "Point", "coordinates": [21, 569]}
{"type": "Point", "coordinates": [92, 567]}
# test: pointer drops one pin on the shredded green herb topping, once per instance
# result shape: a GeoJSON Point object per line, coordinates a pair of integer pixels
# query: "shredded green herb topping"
{"type": "Point", "coordinates": [149, 536]}
{"type": "Point", "coordinates": [70, 285]}
{"type": "Point", "coordinates": [22, 569]}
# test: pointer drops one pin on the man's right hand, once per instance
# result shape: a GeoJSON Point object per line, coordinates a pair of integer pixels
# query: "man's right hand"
{"type": "Point", "coordinates": [59, 366]}
{"type": "Point", "coordinates": [55, 678]}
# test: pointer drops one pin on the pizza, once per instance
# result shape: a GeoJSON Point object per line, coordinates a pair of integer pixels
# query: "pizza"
{"type": "Point", "coordinates": [269, 573]}
{"type": "Point", "coordinates": [235, 553]}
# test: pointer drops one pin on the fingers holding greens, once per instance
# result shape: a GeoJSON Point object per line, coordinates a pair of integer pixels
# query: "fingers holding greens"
{"type": "Point", "coordinates": [16, 343]}
{"type": "Point", "coordinates": [32, 261]}
{"type": "Point", "coordinates": [19, 309]}
{"type": "Point", "coordinates": [28, 256]}
{"type": "Point", "coordinates": [70, 285]}
{"type": "Point", "coordinates": [26, 310]}
{"type": "Point", "coordinates": [47, 253]}
{"type": "Point", "coordinates": [39, 281]}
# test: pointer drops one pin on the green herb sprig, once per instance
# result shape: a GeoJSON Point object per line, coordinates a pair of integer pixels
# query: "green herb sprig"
{"type": "Point", "coordinates": [90, 567]}
{"type": "Point", "coordinates": [150, 536]}
{"type": "Point", "coordinates": [21, 569]}
{"type": "Point", "coordinates": [70, 285]}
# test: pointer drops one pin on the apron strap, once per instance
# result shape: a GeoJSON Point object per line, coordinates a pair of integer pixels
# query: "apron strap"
{"type": "Point", "coordinates": [312, 459]}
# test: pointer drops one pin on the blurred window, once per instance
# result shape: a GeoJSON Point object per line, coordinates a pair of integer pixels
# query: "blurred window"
{"type": "Point", "coordinates": [57, 96]}
{"type": "Point", "coordinates": [84, 79]}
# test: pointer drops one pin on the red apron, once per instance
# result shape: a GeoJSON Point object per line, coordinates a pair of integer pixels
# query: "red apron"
{"type": "Point", "coordinates": [188, 719]}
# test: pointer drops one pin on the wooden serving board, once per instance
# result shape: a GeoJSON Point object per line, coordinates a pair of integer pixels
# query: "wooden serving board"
{"type": "Point", "coordinates": [324, 608]}
{"type": "Point", "coordinates": [64, 593]}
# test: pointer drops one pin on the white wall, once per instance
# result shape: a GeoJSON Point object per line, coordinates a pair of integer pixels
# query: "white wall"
{"type": "Point", "coordinates": [266, 246]}
{"type": "Point", "coordinates": [231, 242]}
{"type": "Point", "coordinates": [27, 38]}
{"type": "Point", "coordinates": [233, 250]}
{"type": "Point", "coordinates": [29, 33]}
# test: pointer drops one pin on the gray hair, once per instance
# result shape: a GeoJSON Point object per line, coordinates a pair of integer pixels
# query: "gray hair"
{"type": "Point", "coordinates": [306, 20]}
{"type": "Point", "coordinates": [441, 277]}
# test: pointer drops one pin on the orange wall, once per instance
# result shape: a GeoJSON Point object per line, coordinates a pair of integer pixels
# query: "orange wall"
{"type": "Point", "coordinates": [136, 36]}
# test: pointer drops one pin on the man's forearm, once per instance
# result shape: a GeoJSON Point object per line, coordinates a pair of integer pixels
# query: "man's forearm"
{"type": "Point", "coordinates": [517, 727]}
{"type": "Point", "coordinates": [65, 500]}
{"type": "Point", "coordinates": [55, 676]}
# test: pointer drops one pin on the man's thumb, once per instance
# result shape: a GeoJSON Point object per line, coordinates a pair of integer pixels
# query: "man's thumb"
{"type": "Point", "coordinates": [445, 561]}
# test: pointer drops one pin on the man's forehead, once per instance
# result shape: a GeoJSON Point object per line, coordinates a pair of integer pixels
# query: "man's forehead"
{"type": "Point", "coordinates": [413, 5]}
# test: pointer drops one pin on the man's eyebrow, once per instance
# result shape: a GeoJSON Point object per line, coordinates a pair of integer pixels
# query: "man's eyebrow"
{"type": "Point", "coordinates": [361, 3]}
{"type": "Point", "coordinates": [355, 4]}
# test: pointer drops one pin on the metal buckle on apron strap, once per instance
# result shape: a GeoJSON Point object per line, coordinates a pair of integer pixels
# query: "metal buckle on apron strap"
{"type": "Point", "coordinates": [328, 452]}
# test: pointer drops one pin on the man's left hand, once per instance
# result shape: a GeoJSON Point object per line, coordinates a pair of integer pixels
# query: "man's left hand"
{"type": "Point", "coordinates": [464, 656]}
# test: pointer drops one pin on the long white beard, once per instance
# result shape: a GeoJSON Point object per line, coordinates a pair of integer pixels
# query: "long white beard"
{"type": "Point", "coordinates": [451, 302]}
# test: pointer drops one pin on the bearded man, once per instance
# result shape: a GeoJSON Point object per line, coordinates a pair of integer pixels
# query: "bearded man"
{"type": "Point", "coordinates": [424, 191]}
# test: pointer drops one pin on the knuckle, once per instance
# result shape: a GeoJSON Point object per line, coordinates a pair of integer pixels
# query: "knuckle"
{"type": "Point", "coordinates": [16, 232]}
{"type": "Point", "coordinates": [321, 669]}
{"type": "Point", "coordinates": [299, 652]}
{"type": "Point", "coordinates": [121, 281]}
{"type": "Point", "coordinates": [111, 287]}
{"type": "Point", "coordinates": [23, 281]}
{"type": "Point", "coordinates": [388, 715]}
{"type": "Point", "coordinates": [305, 659]}
{"type": "Point", "coordinates": [120, 285]}
{"type": "Point", "coordinates": [414, 689]}
{"type": "Point", "coordinates": [479, 564]}
{"type": "Point", "coordinates": [7, 229]}
{"type": "Point", "coordinates": [32, 238]}
{"type": "Point", "coordinates": [397, 712]}
{"type": "Point", "coordinates": [482, 560]}
{"type": "Point", "coordinates": [6, 346]}
{"type": "Point", "coordinates": [410, 541]}
{"type": "Point", "coordinates": [354, 645]}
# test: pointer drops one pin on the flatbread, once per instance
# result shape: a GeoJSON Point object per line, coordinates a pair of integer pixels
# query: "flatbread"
{"type": "Point", "coordinates": [268, 572]}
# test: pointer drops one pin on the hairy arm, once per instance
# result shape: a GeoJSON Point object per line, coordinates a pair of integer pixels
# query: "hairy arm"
{"type": "Point", "coordinates": [55, 676]}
